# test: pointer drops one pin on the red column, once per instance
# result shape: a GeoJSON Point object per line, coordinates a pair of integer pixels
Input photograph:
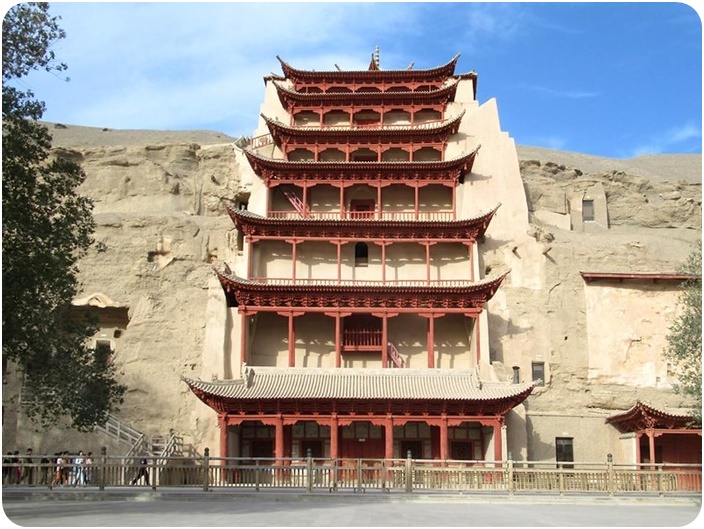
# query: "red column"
{"type": "Point", "coordinates": [384, 341]}
{"type": "Point", "coordinates": [651, 447]}
{"type": "Point", "coordinates": [243, 340]}
{"type": "Point", "coordinates": [291, 342]}
{"type": "Point", "coordinates": [478, 338]}
{"type": "Point", "coordinates": [305, 191]}
{"type": "Point", "coordinates": [339, 262]}
{"type": "Point", "coordinates": [334, 431]}
{"type": "Point", "coordinates": [293, 260]}
{"type": "Point", "coordinates": [454, 200]}
{"type": "Point", "coordinates": [222, 424]}
{"type": "Point", "coordinates": [378, 199]}
{"type": "Point", "coordinates": [250, 250]}
{"type": "Point", "coordinates": [338, 341]}
{"type": "Point", "coordinates": [497, 441]}
{"type": "Point", "coordinates": [431, 342]}
{"type": "Point", "coordinates": [342, 193]}
{"type": "Point", "coordinates": [383, 261]}
{"type": "Point", "coordinates": [389, 437]}
{"type": "Point", "coordinates": [443, 438]}
{"type": "Point", "coordinates": [279, 446]}
{"type": "Point", "coordinates": [427, 262]}
{"type": "Point", "coordinates": [416, 206]}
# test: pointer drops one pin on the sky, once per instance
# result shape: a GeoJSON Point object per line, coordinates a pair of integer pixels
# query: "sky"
{"type": "Point", "coordinates": [608, 79]}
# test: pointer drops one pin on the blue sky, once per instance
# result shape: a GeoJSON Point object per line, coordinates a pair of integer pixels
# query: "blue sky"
{"type": "Point", "coordinates": [610, 79]}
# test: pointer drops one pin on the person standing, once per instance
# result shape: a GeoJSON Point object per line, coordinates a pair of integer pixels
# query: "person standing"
{"type": "Point", "coordinates": [60, 474]}
{"type": "Point", "coordinates": [89, 468]}
{"type": "Point", "coordinates": [7, 468]}
{"type": "Point", "coordinates": [28, 471]}
{"type": "Point", "coordinates": [80, 470]}
{"type": "Point", "coordinates": [142, 472]}
{"type": "Point", "coordinates": [16, 468]}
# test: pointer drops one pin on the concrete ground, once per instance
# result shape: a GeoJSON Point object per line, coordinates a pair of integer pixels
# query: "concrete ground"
{"type": "Point", "coordinates": [142, 507]}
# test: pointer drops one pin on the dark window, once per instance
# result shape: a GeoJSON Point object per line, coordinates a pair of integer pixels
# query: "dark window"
{"type": "Point", "coordinates": [361, 254]}
{"type": "Point", "coordinates": [564, 451]}
{"type": "Point", "coordinates": [103, 351]}
{"type": "Point", "coordinates": [539, 373]}
{"type": "Point", "coordinates": [516, 374]}
{"type": "Point", "coordinates": [587, 210]}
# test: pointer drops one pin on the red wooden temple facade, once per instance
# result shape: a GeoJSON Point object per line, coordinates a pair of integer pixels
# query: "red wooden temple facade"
{"type": "Point", "coordinates": [361, 303]}
{"type": "Point", "coordinates": [661, 435]}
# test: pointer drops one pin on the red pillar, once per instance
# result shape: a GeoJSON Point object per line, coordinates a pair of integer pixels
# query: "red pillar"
{"type": "Point", "coordinates": [243, 340]}
{"type": "Point", "coordinates": [338, 341]}
{"type": "Point", "coordinates": [431, 342]}
{"type": "Point", "coordinates": [378, 199]}
{"type": "Point", "coordinates": [651, 446]}
{"type": "Point", "coordinates": [279, 443]}
{"type": "Point", "coordinates": [222, 424]}
{"type": "Point", "coordinates": [291, 342]}
{"type": "Point", "coordinates": [339, 262]}
{"type": "Point", "coordinates": [497, 441]}
{"type": "Point", "coordinates": [389, 437]}
{"type": "Point", "coordinates": [478, 338]}
{"type": "Point", "coordinates": [305, 191]}
{"type": "Point", "coordinates": [334, 431]}
{"type": "Point", "coordinates": [416, 206]}
{"type": "Point", "coordinates": [293, 260]}
{"type": "Point", "coordinates": [443, 438]}
{"type": "Point", "coordinates": [384, 341]}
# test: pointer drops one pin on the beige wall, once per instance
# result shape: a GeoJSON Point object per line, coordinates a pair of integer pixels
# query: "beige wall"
{"type": "Point", "coordinates": [627, 327]}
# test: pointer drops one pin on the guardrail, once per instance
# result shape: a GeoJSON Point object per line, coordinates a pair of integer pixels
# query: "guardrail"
{"type": "Point", "coordinates": [405, 475]}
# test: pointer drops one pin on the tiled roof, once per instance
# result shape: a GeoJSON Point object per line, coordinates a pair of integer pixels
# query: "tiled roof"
{"type": "Point", "coordinates": [422, 165]}
{"type": "Point", "coordinates": [350, 286]}
{"type": "Point", "coordinates": [363, 384]}
{"type": "Point", "coordinates": [432, 126]}
{"type": "Point", "coordinates": [448, 87]}
{"type": "Point", "coordinates": [447, 68]}
{"type": "Point", "coordinates": [234, 212]}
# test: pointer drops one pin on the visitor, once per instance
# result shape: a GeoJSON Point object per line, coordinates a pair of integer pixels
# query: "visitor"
{"type": "Point", "coordinates": [79, 477]}
{"type": "Point", "coordinates": [6, 469]}
{"type": "Point", "coordinates": [142, 472]}
{"type": "Point", "coordinates": [89, 468]}
{"type": "Point", "coordinates": [60, 470]}
{"type": "Point", "coordinates": [28, 470]}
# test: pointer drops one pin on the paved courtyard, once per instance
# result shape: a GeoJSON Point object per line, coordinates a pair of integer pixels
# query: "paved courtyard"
{"type": "Point", "coordinates": [142, 509]}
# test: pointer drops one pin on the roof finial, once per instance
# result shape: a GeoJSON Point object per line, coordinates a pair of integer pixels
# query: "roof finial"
{"type": "Point", "coordinates": [374, 64]}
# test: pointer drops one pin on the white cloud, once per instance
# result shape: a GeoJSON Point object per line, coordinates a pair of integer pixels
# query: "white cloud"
{"type": "Point", "coordinates": [569, 94]}
{"type": "Point", "coordinates": [683, 138]}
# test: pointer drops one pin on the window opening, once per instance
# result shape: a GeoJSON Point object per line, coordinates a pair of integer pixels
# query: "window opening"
{"type": "Point", "coordinates": [564, 451]}
{"type": "Point", "coordinates": [538, 369]}
{"type": "Point", "coordinates": [588, 210]}
{"type": "Point", "coordinates": [361, 254]}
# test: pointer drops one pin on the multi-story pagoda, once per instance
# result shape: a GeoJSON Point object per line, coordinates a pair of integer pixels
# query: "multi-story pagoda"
{"type": "Point", "coordinates": [357, 320]}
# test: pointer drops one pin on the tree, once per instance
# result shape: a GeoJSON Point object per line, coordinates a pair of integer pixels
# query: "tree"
{"type": "Point", "coordinates": [46, 228]}
{"type": "Point", "coordinates": [684, 347]}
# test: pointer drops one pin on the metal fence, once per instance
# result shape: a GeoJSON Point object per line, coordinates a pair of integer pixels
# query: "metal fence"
{"type": "Point", "coordinates": [404, 475]}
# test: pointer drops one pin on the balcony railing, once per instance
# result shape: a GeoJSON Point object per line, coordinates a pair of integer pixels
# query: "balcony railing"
{"type": "Point", "coordinates": [405, 475]}
{"type": "Point", "coordinates": [444, 283]}
{"type": "Point", "coordinates": [365, 215]}
{"type": "Point", "coordinates": [361, 340]}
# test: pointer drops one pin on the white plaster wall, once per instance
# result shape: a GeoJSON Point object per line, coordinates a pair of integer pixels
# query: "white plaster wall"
{"type": "Point", "coordinates": [627, 327]}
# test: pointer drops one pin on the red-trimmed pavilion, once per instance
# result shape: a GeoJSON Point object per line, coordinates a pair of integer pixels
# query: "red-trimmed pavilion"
{"type": "Point", "coordinates": [360, 301]}
{"type": "Point", "coordinates": [662, 435]}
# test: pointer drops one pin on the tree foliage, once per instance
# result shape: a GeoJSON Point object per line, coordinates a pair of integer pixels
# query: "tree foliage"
{"type": "Point", "coordinates": [684, 347]}
{"type": "Point", "coordinates": [46, 228]}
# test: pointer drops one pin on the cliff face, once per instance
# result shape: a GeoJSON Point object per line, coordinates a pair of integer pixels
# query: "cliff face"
{"type": "Point", "coordinates": [161, 225]}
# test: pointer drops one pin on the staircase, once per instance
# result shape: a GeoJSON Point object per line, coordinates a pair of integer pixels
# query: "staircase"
{"type": "Point", "coordinates": [295, 201]}
{"type": "Point", "coordinates": [395, 356]}
{"type": "Point", "coordinates": [140, 443]}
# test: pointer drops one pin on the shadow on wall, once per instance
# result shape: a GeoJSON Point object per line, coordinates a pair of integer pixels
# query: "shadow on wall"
{"type": "Point", "coordinates": [501, 326]}
{"type": "Point", "coordinates": [538, 450]}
